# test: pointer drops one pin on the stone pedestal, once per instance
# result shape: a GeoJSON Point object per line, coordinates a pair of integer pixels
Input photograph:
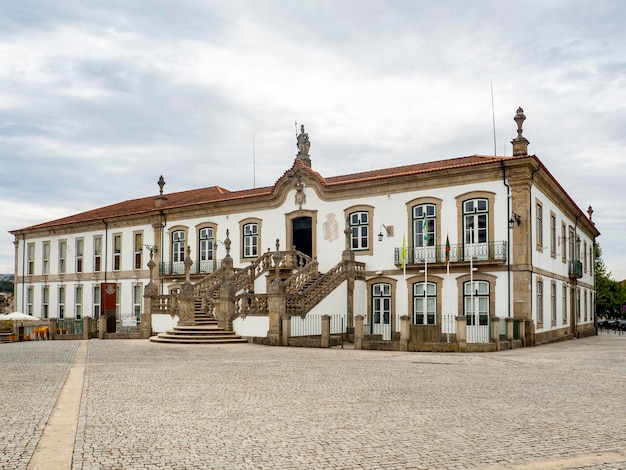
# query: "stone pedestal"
{"type": "Point", "coordinates": [277, 308]}
{"type": "Point", "coordinates": [461, 332]}
{"type": "Point", "coordinates": [325, 342]}
{"type": "Point", "coordinates": [358, 332]}
{"type": "Point", "coordinates": [405, 332]}
{"type": "Point", "coordinates": [495, 331]}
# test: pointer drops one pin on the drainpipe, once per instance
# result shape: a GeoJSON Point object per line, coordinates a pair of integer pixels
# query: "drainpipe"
{"type": "Point", "coordinates": [106, 248]}
{"type": "Point", "coordinates": [508, 237]}
{"type": "Point", "coordinates": [576, 294]}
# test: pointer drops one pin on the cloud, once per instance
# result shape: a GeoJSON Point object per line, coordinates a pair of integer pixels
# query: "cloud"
{"type": "Point", "coordinates": [97, 100]}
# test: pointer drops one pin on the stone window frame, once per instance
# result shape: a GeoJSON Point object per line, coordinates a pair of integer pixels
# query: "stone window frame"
{"type": "Point", "coordinates": [564, 315]}
{"type": "Point", "coordinates": [553, 235]}
{"type": "Point", "coordinates": [30, 259]}
{"type": "Point", "coordinates": [289, 217]}
{"type": "Point", "coordinates": [539, 301]}
{"type": "Point", "coordinates": [137, 300]}
{"type": "Point", "coordinates": [30, 299]}
{"type": "Point", "coordinates": [45, 257]}
{"type": "Point", "coordinates": [394, 285]}
{"type": "Point", "coordinates": [138, 250]}
{"type": "Point", "coordinates": [116, 252]}
{"type": "Point", "coordinates": [564, 242]}
{"type": "Point", "coordinates": [410, 221]}
{"type": "Point", "coordinates": [461, 199]}
{"type": "Point", "coordinates": [45, 302]}
{"type": "Point", "coordinates": [553, 303]}
{"type": "Point", "coordinates": [78, 301]}
{"type": "Point", "coordinates": [365, 208]}
{"type": "Point", "coordinates": [96, 301]}
{"type": "Point", "coordinates": [79, 248]}
{"type": "Point", "coordinates": [478, 276]}
{"type": "Point", "coordinates": [242, 237]}
{"type": "Point", "coordinates": [539, 225]}
{"type": "Point", "coordinates": [61, 296]}
{"type": "Point", "coordinates": [418, 279]}
{"type": "Point", "coordinates": [62, 259]}
{"type": "Point", "coordinates": [199, 227]}
{"type": "Point", "coordinates": [97, 253]}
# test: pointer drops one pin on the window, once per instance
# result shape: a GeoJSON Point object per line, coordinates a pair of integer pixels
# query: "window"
{"type": "Point", "coordinates": [585, 256]}
{"type": "Point", "coordinates": [138, 250]}
{"type": "Point", "coordinates": [178, 251]}
{"type": "Point", "coordinates": [45, 268]}
{"type": "Point", "coordinates": [553, 235]}
{"type": "Point", "coordinates": [424, 218]}
{"type": "Point", "coordinates": [564, 304]}
{"type": "Point", "coordinates": [586, 306]}
{"type": "Point", "coordinates": [29, 299]}
{"type": "Point", "coordinates": [381, 304]}
{"type": "Point", "coordinates": [563, 243]}
{"type": "Point", "coordinates": [571, 245]}
{"type": "Point", "coordinates": [117, 252]}
{"type": "Point", "coordinates": [61, 312]}
{"type": "Point", "coordinates": [96, 302]}
{"type": "Point", "coordinates": [97, 254]}
{"type": "Point", "coordinates": [553, 302]}
{"type": "Point", "coordinates": [30, 270]}
{"type": "Point", "coordinates": [476, 303]}
{"type": "Point", "coordinates": [78, 302]}
{"type": "Point", "coordinates": [424, 303]}
{"type": "Point", "coordinates": [539, 215]}
{"type": "Point", "coordinates": [206, 241]}
{"type": "Point", "coordinates": [118, 293]}
{"type": "Point", "coordinates": [250, 240]}
{"type": "Point", "coordinates": [359, 230]}
{"type": "Point", "coordinates": [539, 301]}
{"type": "Point", "coordinates": [79, 255]}
{"type": "Point", "coordinates": [62, 256]}
{"type": "Point", "coordinates": [45, 301]}
{"type": "Point", "coordinates": [137, 296]}
{"type": "Point", "coordinates": [475, 221]}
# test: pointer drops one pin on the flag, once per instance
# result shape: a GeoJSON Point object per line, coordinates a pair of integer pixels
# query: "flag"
{"type": "Point", "coordinates": [425, 230]}
{"type": "Point", "coordinates": [403, 253]}
{"type": "Point", "coordinates": [447, 250]}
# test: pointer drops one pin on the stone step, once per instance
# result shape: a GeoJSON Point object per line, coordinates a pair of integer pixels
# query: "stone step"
{"type": "Point", "coordinates": [198, 340]}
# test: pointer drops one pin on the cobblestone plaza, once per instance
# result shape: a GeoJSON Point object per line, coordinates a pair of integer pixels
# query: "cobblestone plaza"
{"type": "Point", "coordinates": [141, 405]}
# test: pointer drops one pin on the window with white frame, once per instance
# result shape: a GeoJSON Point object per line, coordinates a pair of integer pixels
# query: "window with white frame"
{"type": "Point", "coordinates": [138, 261]}
{"type": "Point", "coordinates": [61, 304]}
{"type": "Point", "coordinates": [78, 302]}
{"type": "Point", "coordinates": [424, 303]}
{"type": "Point", "coordinates": [539, 301]}
{"type": "Point", "coordinates": [62, 256]}
{"type": "Point", "coordinates": [30, 269]}
{"type": "Point", "coordinates": [563, 243]}
{"type": "Point", "coordinates": [30, 295]}
{"type": "Point", "coordinates": [476, 298]}
{"type": "Point", "coordinates": [45, 261]}
{"type": "Point", "coordinates": [97, 254]}
{"type": "Point", "coordinates": [137, 297]}
{"type": "Point", "coordinates": [96, 302]}
{"type": "Point", "coordinates": [117, 252]}
{"type": "Point", "coordinates": [585, 256]}
{"type": "Point", "coordinates": [539, 225]}
{"type": "Point", "coordinates": [250, 240]}
{"type": "Point", "coordinates": [206, 241]}
{"type": "Point", "coordinates": [564, 304]}
{"type": "Point", "coordinates": [45, 302]}
{"type": "Point", "coordinates": [553, 302]}
{"type": "Point", "coordinates": [178, 246]}
{"type": "Point", "coordinates": [359, 230]}
{"type": "Point", "coordinates": [475, 220]}
{"type": "Point", "coordinates": [381, 303]}
{"type": "Point", "coordinates": [553, 235]}
{"type": "Point", "coordinates": [118, 298]}
{"type": "Point", "coordinates": [79, 255]}
{"type": "Point", "coordinates": [424, 223]}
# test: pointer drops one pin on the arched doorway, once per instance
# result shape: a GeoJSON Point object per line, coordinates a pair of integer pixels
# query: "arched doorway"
{"type": "Point", "coordinates": [302, 234]}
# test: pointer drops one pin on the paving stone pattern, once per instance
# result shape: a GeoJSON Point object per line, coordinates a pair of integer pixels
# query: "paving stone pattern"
{"type": "Point", "coordinates": [155, 406]}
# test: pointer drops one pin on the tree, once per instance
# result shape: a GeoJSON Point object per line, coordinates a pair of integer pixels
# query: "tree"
{"type": "Point", "coordinates": [6, 286]}
{"type": "Point", "coordinates": [610, 295]}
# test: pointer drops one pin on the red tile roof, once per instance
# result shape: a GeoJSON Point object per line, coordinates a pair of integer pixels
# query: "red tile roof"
{"type": "Point", "coordinates": [217, 194]}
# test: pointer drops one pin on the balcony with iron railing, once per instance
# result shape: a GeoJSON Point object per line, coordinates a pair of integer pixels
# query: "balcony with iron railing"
{"type": "Point", "coordinates": [575, 269]}
{"type": "Point", "coordinates": [178, 268]}
{"type": "Point", "coordinates": [490, 251]}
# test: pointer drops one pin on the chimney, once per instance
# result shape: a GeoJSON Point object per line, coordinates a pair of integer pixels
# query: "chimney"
{"type": "Point", "coordinates": [520, 143]}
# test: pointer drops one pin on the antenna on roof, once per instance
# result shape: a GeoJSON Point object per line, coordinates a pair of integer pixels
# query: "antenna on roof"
{"type": "Point", "coordinates": [493, 118]}
{"type": "Point", "coordinates": [253, 164]}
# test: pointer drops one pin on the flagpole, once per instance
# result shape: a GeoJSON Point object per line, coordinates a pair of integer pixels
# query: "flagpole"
{"type": "Point", "coordinates": [445, 297]}
{"type": "Point", "coordinates": [425, 236]}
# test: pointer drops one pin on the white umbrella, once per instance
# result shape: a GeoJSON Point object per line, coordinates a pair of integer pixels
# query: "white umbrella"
{"type": "Point", "coordinates": [18, 316]}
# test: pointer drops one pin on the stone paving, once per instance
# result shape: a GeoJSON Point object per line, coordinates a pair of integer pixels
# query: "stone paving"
{"type": "Point", "coordinates": [156, 406]}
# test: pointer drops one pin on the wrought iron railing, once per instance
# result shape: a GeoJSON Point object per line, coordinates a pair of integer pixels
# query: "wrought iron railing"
{"type": "Point", "coordinates": [178, 268]}
{"type": "Point", "coordinates": [575, 269]}
{"type": "Point", "coordinates": [489, 251]}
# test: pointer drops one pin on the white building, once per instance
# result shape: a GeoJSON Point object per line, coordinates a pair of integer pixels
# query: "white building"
{"type": "Point", "coordinates": [488, 241]}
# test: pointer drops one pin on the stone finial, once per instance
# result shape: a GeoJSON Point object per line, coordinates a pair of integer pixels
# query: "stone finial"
{"type": "Point", "coordinates": [303, 145]}
{"type": "Point", "coordinates": [161, 199]}
{"type": "Point", "coordinates": [520, 143]}
{"type": "Point", "coordinates": [161, 183]}
{"type": "Point", "coordinates": [188, 263]}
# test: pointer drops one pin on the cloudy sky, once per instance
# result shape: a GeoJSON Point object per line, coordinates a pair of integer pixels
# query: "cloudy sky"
{"type": "Point", "coordinates": [99, 98]}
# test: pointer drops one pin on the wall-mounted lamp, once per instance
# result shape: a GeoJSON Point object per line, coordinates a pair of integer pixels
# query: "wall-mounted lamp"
{"type": "Point", "coordinates": [151, 248]}
{"type": "Point", "coordinates": [388, 230]}
{"type": "Point", "coordinates": [515, 219]}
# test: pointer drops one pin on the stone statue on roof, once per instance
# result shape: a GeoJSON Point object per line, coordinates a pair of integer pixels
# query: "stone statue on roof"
{"type": "Point", "coordinates": [303, 142]}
